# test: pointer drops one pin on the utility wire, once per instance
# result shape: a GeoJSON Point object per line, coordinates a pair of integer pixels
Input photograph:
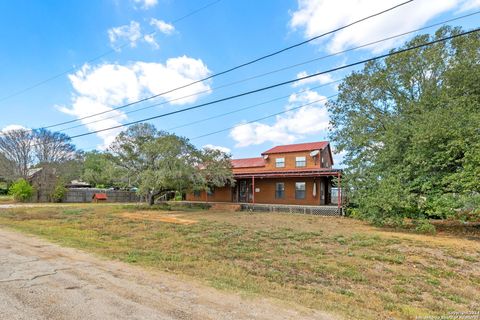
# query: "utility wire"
{"type": "Point", "coordinates": [252, 106]}
{"type": "Point", "coordinates": [266, 117]}
{"type": "Point", "coordinates": [274, 71]}
{"type": "Point", "coordinates": [392, 53]}
{"type": "Point", "coordinates": [233, 68]}
{"type": "Point", "coordinates": [115, 49]}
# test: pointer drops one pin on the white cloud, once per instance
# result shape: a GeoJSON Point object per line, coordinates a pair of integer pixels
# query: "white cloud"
{"type": "Point", "coordinates": [132, 33]}
{"type": "Point", "coordinates": [220, 148]}
{"type": "Point", "coordinates": [12, 127]}
{"type": "Point", "coordinates": [98, 88]}
{"type": "Point", "coordinates": [320, 79]}
{"type": "Point", "coordinates": [469, 5]}
{"type": "Point", "coordinates": [150, 39]}
{"type": "Point", "coordinates": [317, 17]}
{"type": "Point", "coordinates": [289, 127]}
{"type": "Point", "coordinates": [338, 158]}
{"type": "Point", "coordinates": [162, 26]}
{"type": "Point", "coordinates": [147, 4]}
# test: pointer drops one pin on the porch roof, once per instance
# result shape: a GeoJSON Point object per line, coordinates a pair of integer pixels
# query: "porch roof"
{"type": "Point", "coordinates": [315, 172]}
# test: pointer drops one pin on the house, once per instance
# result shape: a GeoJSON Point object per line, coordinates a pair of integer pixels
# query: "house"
{"type": "Point", "coordinates": [295, 174]}
{"type": "Point", "coordinates": [43, 180]}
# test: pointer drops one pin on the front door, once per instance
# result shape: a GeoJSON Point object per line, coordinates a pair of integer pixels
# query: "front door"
{"type": "Point", "coordinates": [244, 191]}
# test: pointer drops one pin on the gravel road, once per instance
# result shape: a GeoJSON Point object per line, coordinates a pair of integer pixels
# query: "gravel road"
{"type": "Point", "coordinates": [41, 280]}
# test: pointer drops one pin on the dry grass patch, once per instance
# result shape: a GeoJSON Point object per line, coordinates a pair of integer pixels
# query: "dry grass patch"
{"type": "Point", "coordinates": [341, 265]}
{"type": "Point", "coordinates": [172, 217]}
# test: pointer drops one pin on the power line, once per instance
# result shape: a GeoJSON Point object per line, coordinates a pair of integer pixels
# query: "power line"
{"type": "Point", "coordinates": [114, 49]}
{"type": "Point", "coordinates": [282, 83]}
{"type": "Point", "coordinates": [266, 117]}
{"type": "Point", "coordinates": [274, 71]}
{"type": "Point", "coordinates": [252, 106]}
{"type": "Point", "coordinates": [235, 67]}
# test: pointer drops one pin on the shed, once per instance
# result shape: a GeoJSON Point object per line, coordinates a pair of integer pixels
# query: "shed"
{"type": "Point", "coordinates": [99, 197]}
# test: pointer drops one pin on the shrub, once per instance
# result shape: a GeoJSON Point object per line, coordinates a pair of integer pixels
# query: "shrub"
{"type": "Point", "coordinates": [21, 190]}
{"type": "Point", "coordinates": [423, 226]}
{"type": "Point", "coordinates": [58, 192]}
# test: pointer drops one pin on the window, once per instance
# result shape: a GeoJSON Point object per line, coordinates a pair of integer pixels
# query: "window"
{"type": "Point", "coordinates": [299, 190]}
{"type": "Point", "coordinates": [300, 161]}
{"type": "Point", "coordinates": [196, 194]}
{"type": "Point", "coordinates": [210, 191]}
{"type": "Point", "coordinates": [280, 162]}
{"type": "Point", "coordinates": [279, 190]}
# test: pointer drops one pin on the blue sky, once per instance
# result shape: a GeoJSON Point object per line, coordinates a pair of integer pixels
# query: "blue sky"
{"type": "Point", "coordinates": [41, 39]}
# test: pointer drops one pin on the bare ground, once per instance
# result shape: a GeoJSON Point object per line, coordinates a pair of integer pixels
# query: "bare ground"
{"type": "Point", "coordinates": [40, 280]}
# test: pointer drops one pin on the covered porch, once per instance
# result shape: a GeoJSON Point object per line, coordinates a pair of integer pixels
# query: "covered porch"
{"type": "Point", "coordinates": [309, 187]}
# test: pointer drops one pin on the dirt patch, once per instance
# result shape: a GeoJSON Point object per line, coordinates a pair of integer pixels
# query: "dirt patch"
{"type": "Point", "coordinates": [156, 216]}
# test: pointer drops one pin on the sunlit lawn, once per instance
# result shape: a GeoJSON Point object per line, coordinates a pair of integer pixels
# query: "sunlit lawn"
{"type": "Point", "coordinates": [335, 264]}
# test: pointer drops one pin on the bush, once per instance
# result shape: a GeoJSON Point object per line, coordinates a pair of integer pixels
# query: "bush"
{"type": "Point", "coordinates": [58, 192]}
{"type": "Point", "coordinates": [21, 190]}
{"type": "Point", "coordinates": [423, 226]}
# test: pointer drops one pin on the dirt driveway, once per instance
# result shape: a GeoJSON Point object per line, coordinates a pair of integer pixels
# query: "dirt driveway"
{"type": "Point", "coordinates": [40, 280]}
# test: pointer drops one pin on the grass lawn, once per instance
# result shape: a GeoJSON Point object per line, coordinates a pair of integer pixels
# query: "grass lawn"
{"type": "Point", "coordinates": [339, 265]}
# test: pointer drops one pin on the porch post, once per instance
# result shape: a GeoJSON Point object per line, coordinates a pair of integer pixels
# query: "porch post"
{"type": "Point", "coordinates": [339, 195]}
{"type": "Point", "coordinates": [253, 189]}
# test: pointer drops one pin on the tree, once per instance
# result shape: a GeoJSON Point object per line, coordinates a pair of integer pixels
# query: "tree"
{"type": "Point", "coordinates": [16, 147]}
{"type": "Point", "coordinates": [158, 162]}
{"type": "Point", "coordinates": [409, 127]}
{"type": "Point", "coordinates": [52, 147]}
{"type": "Point", "coordinates": [99, 169]}
{"type": "Point", "coordinates": [214, 170]}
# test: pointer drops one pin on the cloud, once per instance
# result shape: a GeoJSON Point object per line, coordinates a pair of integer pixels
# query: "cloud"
{"type": "Point", "coordinates": [469, 5]}
{"type": "Point", "coordinates": [320, 79]}
{"type": "Point", "coordinates": [162, 26]}
{"type": "Point", "coordinates": [220, 148]}
{"type": "Point", "coordinates": [98, 88]}
{"type": "Point", "coordinates": [12, 127]}
{"type": "Point", "coordinates": [147, 4]}
{"type": "Point", "coordinates": [150, 39]}
{"type": "Point", "coordinates": [338, 158]}
{"type": "Point", "coordinates": [289, 127]}
{"type": "Point", "coordinates": [132, 33]}
{"type": "Point", "coordinates": [316, 17]}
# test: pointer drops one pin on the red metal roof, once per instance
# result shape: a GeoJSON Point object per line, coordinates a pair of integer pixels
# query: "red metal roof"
{"type": "Point", "coordinates": [248, 162]}
{"type": "Point", "coordinates": [310, 146]}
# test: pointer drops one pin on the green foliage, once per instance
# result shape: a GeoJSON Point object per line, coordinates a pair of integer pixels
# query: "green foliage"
{"type": "Point", "coordinates": [423, 226]}
{"type": "Point", "coordinates": [100, 170]}
{"type": "Point", "coordinates": [21, 190]}
{"type": "Point", "coordinates": [58, 192]}
{"type": "Point", "coordinates": [409, 127]}
{"type": "Point", "coordinates": [158, 162]}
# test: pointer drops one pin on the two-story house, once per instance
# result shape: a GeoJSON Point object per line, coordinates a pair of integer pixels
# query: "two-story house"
{"type": "Point", "coordinates": [295, 174]}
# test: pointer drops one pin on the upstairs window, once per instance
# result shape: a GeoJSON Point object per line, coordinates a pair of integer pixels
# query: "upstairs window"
{"type": "Point", "coordinates": [300, 190]}
{"type": "Point", "coordinates": [300, 161]}
{"type": "Point", "coordinates": [280, 162]}
{"type": "Point", "coordinates": [280, 190]}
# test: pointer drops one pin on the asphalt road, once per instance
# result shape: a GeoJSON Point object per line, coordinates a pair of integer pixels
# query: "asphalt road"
{"type": "Point", "coordinates": [40, 280]}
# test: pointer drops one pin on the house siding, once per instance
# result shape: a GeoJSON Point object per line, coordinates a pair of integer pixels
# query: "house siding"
{"type": "Point", "coordinates": [267, 175]}
{"type": "Point", "coordinates": [266, 194]}
{"type": "Point", "coordinates": [290, 161]}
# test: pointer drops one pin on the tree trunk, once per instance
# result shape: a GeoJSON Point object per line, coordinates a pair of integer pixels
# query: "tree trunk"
{"type": "Point", "coordinates": [151, 197]}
